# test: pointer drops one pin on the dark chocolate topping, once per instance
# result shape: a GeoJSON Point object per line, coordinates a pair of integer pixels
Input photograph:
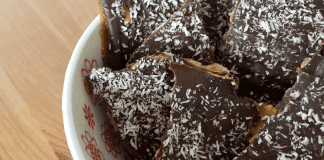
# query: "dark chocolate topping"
{"type": "Point", "coordinates": [207, 120]}
{"type": "Point", "coordinates": [297, 132]}
{"type": "Point", "coordinates": [145, 17]}
{"type": "Point", "coordinates": [183, 35]}
{"type": "Point", "coordinates": [269, 39]}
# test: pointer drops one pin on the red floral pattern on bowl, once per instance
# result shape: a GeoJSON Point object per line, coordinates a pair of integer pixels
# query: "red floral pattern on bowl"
{"type": "Point", "coordinates": [89, 116]}
{"type": "Point", "coordinates": [92, 147]}
{"type": "Point", "coordinates": [87, 127]}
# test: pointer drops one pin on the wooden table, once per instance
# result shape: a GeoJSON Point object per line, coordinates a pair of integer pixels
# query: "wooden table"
{"type": "Point", "coordinates": [37, 40]}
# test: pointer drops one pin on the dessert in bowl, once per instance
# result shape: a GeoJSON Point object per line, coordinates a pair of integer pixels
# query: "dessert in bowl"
{"type": "Point", "coordinates": [147, 79]}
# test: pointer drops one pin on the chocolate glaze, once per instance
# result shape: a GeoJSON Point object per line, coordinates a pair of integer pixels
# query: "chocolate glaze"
{"type": "Point", "coordinates": [297, 131]}
{"type": "Point", "coordinates": [125, 36]}
{"type": "Point", "coordinates": [269, 39]}
{"type": "Point", "coordinates": [183, 35]}
{"type": "Point", "coordinates": [207, 120]}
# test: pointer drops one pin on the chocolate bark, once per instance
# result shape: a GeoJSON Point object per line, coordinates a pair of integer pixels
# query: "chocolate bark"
{"type": "Point", "coordinates": [129, 22]}
{"type": "Point", "coordinates": [270, 39]}
{"type": "Point", "coordinates": [183, 35]}
{"type": "Point", "coordinates": [297, 131]}
{"type": "Point", "coordinates": [138, 102]}
{"type": "Point", "coordinates": [138, 99]}
{"type": "Point", "coordinates": [207, 120]}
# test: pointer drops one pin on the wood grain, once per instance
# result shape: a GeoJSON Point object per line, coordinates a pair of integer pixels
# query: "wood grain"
{"type": "Point", "coordinates": [37, 38]}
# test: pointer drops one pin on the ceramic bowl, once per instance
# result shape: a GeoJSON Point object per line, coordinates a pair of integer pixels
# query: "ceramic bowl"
{"type": "Point", "coordinates": [87, 127]}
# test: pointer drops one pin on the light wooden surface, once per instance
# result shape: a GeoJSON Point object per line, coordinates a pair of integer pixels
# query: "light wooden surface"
{"type": "Point", "coordinates": [37, 38]}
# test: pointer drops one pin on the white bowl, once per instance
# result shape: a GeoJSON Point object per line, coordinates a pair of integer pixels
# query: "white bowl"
{"type": "Point", "coordinates": [87, 127]}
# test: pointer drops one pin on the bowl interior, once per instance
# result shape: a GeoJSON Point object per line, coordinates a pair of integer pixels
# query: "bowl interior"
{"type": "Point", "coordinates": [87, 127]}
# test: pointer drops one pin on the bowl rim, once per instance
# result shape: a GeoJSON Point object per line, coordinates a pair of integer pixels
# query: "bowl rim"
{"type": "Point", "coordinates": [68, 121]}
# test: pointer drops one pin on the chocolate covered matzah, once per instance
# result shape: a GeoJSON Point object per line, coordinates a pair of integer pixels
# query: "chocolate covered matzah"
{"type": "Point", "coordinates": [208, 121]}
{"type": "Point", "coordinates": [269, 39]}
{"type": "Point", "coordinates": [297, 131]}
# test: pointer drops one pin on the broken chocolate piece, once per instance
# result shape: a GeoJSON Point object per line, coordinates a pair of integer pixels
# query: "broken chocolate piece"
{"type": "Point", "coordinates": [270, 39]}
{"type": "Point", "coordinates": [297, 131]}
{"type": "Point", "coordinates": [182, 35]}
{"type": "Point", "coordinates": [138, 101]}
{"type": "Point", "coordinates": [130, 22]}
{"type": "Point", "coordinates": [207, 120]}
